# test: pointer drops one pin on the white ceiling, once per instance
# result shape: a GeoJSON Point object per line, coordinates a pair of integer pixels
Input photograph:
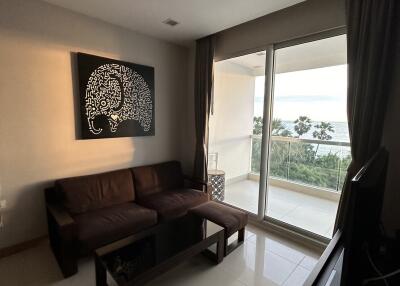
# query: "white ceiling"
{"type": "Point", "coordinates": [317, 54]}
{"type": "Point", "coordinates": [197, 18]}
{"type": "Point", "coordinates": [254, 62]}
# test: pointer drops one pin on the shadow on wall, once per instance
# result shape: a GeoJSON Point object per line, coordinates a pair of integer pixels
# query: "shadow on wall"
{"type": "Point", "coordinates": [38, 144]}
{"type": "Point", "coordinates": [32, 216]}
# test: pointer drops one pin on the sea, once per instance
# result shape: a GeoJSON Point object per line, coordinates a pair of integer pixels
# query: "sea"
{"type": "Point", "coordinates": [341, 131]}
{"type": "Point", "coordinates": [340, 134]}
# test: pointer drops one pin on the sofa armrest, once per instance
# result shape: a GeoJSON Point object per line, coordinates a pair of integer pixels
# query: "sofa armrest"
{"type": "Point", "coordinates": [63, 233]}
{"type": "Point", "coordinates": [199, 184]}
{"type": "Point", "coordinates": [62, 227]}
{"type": "Point", "coordinates": [60, 215]}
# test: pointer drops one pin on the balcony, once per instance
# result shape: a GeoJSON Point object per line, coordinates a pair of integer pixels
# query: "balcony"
{"type": "Point", "coordinates": [304, 184]}
{"type": "Point", "coordinates": [317, 163]}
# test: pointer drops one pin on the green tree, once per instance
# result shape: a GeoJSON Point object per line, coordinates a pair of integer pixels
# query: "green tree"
{"type": "Point", "coordinates": [279, 129]}
{"type": "Point", "coordinates": [257, 125]}
{"type": "Point", "coordinates": [304, 166]}
{"type": "Point", "coordinates": [256, 144]}
{"type": "Point", "coordinates": [302, 125]}
{"type": "Point", "coordinates": [322, 132]}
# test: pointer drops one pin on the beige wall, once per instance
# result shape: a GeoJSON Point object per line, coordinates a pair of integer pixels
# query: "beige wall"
{"type": "Point", "coordinates": [232, 122]}
{"type": "Point", "coordinates": [37, 131]}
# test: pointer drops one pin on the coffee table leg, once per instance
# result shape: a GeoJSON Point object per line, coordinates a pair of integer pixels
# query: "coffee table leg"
{"type": "Point", "coordinates": [241, 234]}
{"type": "Point", "coordinates": [220, 247]}
{"type": "Point", "coordinates": [101, 274]}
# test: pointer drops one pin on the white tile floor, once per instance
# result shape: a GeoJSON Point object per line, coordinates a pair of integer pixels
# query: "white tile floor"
{"type": "Point", "coordinates": [308, 212]}
{"type": "Point", "coordinates": [263, 259]}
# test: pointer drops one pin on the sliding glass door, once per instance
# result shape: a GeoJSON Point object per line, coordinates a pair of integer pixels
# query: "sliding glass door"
{"type": "Point", "coordinates": [236, 130]}
{"type": "Point", "coordinates": [279, 145]}
{"type": "Point", "coordinates": [309, 144]}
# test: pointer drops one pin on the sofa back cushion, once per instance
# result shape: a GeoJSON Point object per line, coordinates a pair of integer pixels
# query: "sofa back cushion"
{"type": "Point", "coordinates": [86, 193]}
{"type": "Point", "coordinates": [156, 178]}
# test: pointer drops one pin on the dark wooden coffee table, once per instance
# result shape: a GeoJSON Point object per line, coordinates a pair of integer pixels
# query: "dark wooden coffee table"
{"type": "Point", "coordinates": [133, 260]}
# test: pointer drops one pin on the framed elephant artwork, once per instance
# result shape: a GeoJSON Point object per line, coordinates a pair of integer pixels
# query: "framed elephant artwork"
{"type": "Point", "coordinates": [116, 98]}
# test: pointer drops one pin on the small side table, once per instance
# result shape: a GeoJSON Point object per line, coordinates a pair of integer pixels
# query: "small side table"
{"type": "Point", "coordinates": [217, 181]}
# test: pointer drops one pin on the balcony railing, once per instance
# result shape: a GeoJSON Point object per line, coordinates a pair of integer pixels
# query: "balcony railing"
{"type": "Point", "coordinates": [319, 163]}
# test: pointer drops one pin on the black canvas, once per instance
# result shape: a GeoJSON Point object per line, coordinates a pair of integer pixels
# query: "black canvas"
{"type": "Point", "coordinates": [116, 98]}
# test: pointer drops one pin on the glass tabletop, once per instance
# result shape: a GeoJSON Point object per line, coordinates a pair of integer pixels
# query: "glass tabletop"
{"type": "Point", "coordinates": [129, 259]}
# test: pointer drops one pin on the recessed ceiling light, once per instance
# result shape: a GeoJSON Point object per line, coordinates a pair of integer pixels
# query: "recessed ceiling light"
{"type": "Point", "coordinates": [170, 22]}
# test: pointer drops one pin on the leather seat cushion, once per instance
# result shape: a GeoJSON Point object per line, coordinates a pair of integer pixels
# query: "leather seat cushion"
{"type": "Point", "coordinates": [100, 227]}
{"type": "Point", "coordinates": [92, 192]}
{"type": "Point", "coordinates": [156, 178]}
{"type": "Point", "coordinates": [174, 203]}
{"type": "Point", "coordinates": [230, 218]}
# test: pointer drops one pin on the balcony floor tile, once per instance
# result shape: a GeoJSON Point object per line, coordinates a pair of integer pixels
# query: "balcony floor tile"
{"type": "Point", "coordinates": [312, 213]}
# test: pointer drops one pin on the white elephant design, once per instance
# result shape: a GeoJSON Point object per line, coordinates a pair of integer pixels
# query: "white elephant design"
{"type": "Point", "coordinates": [119, 93]}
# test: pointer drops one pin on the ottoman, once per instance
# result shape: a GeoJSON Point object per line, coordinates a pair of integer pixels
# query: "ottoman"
{"type": "Point", "coordinates": [231, 219]}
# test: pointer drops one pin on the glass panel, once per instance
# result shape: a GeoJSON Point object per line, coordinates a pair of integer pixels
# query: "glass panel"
{"type": "Point", "coordinates": [309, 148]}
{"type": "Point", "coordinates": [237, 116]}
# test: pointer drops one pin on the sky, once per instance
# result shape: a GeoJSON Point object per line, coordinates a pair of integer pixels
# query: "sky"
{"type": "Point", "coordinates": [319, 94]}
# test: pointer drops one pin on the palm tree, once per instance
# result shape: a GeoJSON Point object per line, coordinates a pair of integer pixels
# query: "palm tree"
{"type": "Point", "coordinates": [302, 125]}
{"type": "Point", "coordinates": [257, 125]}
{"type": "Point", "coordinates": [279, 129]}
{"type": "Point", "coordinates": [322, 132]}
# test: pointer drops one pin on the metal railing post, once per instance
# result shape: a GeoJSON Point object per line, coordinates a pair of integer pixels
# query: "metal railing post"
{"type": "Point", "coordinates": [288, 162]}
{"type": "Point", "coordinates": [339, 170]}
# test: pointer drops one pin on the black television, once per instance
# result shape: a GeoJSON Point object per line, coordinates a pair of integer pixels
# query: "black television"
{"type": "Point", "coordinates": [344, 261]}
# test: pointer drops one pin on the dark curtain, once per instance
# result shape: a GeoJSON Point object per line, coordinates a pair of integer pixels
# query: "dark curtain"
{"type": "Point", "coordinates": [203, 98]}
{"type": "Point", "coordinates": [371, 44]}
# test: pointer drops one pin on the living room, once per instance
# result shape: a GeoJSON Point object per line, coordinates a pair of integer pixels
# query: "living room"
{"type": "Point", "coordinates": [118, 106]}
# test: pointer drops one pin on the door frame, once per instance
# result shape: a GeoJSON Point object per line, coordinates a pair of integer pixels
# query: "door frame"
{"type": "Point", "coordinates": [267, 122]}
{"type": "Point", "coordinates": [261, 219]}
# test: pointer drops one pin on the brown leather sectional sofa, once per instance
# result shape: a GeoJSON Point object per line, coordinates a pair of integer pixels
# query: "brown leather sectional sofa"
{"type": "Point", "coordinates": [87, 212]}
